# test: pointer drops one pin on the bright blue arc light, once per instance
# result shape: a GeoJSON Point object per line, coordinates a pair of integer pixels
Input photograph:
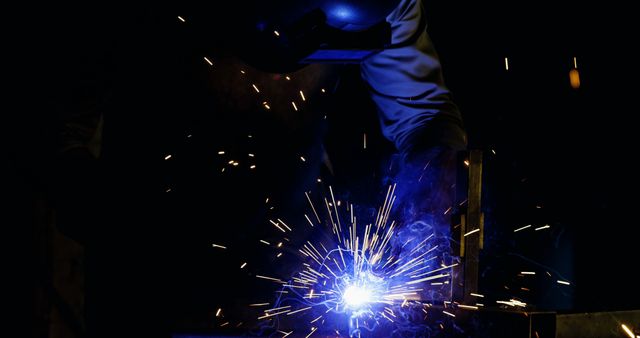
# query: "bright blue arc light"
{"type": "Point", "coordinates": [355, 296]}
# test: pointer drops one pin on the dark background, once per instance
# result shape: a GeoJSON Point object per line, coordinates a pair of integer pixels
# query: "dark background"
{"type": "Point", "coordinates": [563, 157]}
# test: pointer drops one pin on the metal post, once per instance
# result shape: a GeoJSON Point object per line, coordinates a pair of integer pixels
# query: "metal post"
{"type": "Point", "coordinates": [473, 232]}
{"type": "Point", "coordinates": [468, 221]}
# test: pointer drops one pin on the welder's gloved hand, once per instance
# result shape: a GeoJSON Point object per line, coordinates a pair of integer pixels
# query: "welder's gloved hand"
{"type": "Point", "coordinates": [425, 192]}
{"type": "Point", "coordinates": [425, 189]}
{"type": "Point", "coordinates": [427, 171]}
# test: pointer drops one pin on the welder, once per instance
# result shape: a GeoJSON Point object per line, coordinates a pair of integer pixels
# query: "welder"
{"type": "Point", "coordinates": [307, 40]}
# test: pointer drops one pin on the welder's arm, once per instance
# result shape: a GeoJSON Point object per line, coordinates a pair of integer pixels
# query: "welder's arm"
{"type": "Point", "coordinates": [415, 107]}
{"type": "Point", "coordinates": [74, 178]}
